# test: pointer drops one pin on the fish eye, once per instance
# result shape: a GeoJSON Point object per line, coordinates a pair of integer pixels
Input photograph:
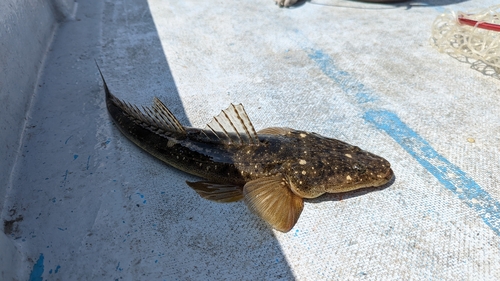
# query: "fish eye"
{"type": "Point", "coordinates": [360, 168]}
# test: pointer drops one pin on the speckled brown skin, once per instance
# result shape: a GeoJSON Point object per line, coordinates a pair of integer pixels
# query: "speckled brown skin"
{"type": "Point", "coordinates": [310, 163]}
{"type": "Point", "coordinates": [272, 169]}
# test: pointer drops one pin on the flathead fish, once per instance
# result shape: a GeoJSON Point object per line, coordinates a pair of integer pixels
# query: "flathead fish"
{"type": "Point", "coordinates": [272, 169]}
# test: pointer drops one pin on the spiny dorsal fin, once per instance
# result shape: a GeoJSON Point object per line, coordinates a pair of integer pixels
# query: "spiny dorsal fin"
{"type": "Point", "coordinates": [162, 113]}
{"type": "Point", "coordinates": [156, 118]}
{"type": "Point", "coordinates": [232, 126]}
{"type": "Point", "coordinates": [272, 200]}
{"type": "Point", "coordinates": [152, 118]}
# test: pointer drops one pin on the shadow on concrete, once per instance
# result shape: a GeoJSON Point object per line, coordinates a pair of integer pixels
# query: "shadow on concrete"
{"type": "Point", "coordinates": [94, 205]}
{"type": "Point", "coordinates": [132, 58]}
{"type": "Point", "coordinates": [136, 69]}
{"type": "Point", "coordinates": [480, 66]}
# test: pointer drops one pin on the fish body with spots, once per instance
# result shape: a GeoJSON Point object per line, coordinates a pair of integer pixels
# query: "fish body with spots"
{"type": "Point", "coordinates": [272, 169]}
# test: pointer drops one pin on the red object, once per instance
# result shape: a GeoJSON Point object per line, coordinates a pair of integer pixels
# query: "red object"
{"type": "Point", "coordinates": [484, 25]}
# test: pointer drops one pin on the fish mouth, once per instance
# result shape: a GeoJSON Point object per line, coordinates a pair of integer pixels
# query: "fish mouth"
{"type": "Point", "coordinates": [388, 175]}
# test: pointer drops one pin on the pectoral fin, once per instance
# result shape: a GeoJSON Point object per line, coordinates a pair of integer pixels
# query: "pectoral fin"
{"type": "Point", "coordinates": [218, 192]}
{"type": "Point", "coordinates": [272, 200]}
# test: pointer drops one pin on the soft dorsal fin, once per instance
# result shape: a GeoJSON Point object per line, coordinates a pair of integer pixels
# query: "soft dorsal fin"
{"type": "Point", "coordinates": [232, 126]}
{"type": "Point", "coordinates": [275, 131]}
{"type": "Point", "coordinates": [272, 200]}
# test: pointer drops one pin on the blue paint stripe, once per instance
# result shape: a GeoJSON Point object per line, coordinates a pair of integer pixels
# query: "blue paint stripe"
{"type": "Point", "coordinates": [447, 173]}
{"type": "Point", "coordinates": [347, 83]}
{"type": "Point", "coordinates": [36, 273]}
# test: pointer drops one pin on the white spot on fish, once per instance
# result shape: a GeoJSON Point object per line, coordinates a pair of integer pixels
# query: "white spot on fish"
{"type": "Point", "coordinates": [348, 178]}
{"type": "Point", "coordinates": [171, 143]}
{"type": "Point", "coordinates": [304, 172]}
{"type": "Point", "coordinates": [348, 155]}
{"type": "Point", "coordinates": [302, 162]}
{"type": "Point", "coordinates": [302, 135]}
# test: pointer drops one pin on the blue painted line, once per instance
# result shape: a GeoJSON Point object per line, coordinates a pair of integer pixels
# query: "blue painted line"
{"type": "Point", "coordinates": [343, 79]}
{"type": "Point", "coordinates": [66, 142]}
{"type": "Point", "coordinates": [36, 273]}
{"type": "Point", "coordinates": [88, 162]}
{"type": "Point", "coordinates": [448, 174]}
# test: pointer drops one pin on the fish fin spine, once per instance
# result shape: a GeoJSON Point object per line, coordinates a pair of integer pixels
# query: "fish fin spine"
{"type": "Point", "coordinates": [157, 118]}
{"type": "Point", "coordinates": [232, 126]}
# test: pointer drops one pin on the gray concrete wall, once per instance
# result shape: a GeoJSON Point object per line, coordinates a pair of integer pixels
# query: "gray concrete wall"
{"type": "Point", "coordinates": [26, 31]}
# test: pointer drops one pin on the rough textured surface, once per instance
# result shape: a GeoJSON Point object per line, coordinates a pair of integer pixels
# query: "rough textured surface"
{"type": "Point", "coordinates": [10, 259]}
{"type": "Point", "coordinates": [95, 205]}
{"type": "Point", "coordinates": [26, 31]}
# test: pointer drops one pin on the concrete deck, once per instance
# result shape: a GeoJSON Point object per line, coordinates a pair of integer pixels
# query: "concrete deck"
{"type": "Point", "coordinates": [83, 203]}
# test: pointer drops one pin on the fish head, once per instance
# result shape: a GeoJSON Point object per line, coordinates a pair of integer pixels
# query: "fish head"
{"type": "Point", "coordinates": [339, 170]}
{"type": "Point", "coordinates": [362, 169]}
